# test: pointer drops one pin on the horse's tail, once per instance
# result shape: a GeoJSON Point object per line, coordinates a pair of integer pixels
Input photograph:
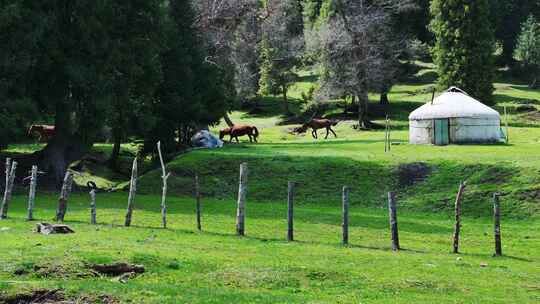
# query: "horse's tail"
{"type": "Point", "coordinates": [255, 132]}
{"type": "Point", "coordinates": [335, 122]}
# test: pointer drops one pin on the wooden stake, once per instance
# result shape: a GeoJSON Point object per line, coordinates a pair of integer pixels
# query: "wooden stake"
{"type": "Point", "coordinates": [32, 193]}
{"type": "Point", "coordinates": [6, 185]}
{"type": "Point", "coordinates": [457, 227]}
{"type": "Point", "coordinates": [506, 123]}
{"type": "Point", "coordinates": [393, 220]}
{"type": "Point", "coordinates": [497, 224]}
{"type": "Point", "coordinates": [164, 176]}
{"type": "Point", "coordinates": [386, 135]}
{"type": "Point", "coordinates": [345, 221]}
{"type": "Point", "coordinates": [64, 195]}
{"type": "Point", "coordinates": [93, 207]}
{"type": "Point", "coordinates": [389, 135]}
{"type": "Point", "coordinates": [132, 193]}
{"type": "Point", "coordinates": [10, 181]}
{"type": "Point", "coordinates": [198, 199]}
{"type": "Point", "coordinates": [242, 191]}
{"type": "Point", "coordinates": [290, 212]}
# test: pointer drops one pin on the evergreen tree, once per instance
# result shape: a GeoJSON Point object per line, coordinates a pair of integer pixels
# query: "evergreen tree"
{"type": "Point", "coordinates": [464, 46]}
{"type": "Point", "coordinates": [281, 48]}
{"type": "Point", "coordinates": [135, 40]}
{"type": "Point", "coordinates": [528, 48]}
{"type": "Point", "coordinates": [191, 94]}
{"type": "Point", "coordinates": [57, 53]}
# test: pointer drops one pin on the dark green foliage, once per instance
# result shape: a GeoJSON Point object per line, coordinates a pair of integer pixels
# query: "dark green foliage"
{"type": "Point", "coordinates": [507, 16]}
{"type": "Point", "coordinates": [464, 46]}
{"type": "Point", "coordinates": [192, 93]}
{"type": "Point", "coordinates": [281, 48]}
{"type": "Point", "coordinates": [135, 39]}
{"type": "Point", "coordinates": [528, 47]}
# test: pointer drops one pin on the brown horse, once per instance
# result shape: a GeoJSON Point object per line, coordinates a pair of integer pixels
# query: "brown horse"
{"type": "Point", "coordinates": [316, 124]}
{"type": "Point", "coordinates": [240, 130]}
{"type": "Point", "coordinates": [43, 132]}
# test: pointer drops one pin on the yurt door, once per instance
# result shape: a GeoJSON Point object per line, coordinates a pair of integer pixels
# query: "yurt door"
{"type": "Point", "coordinates": [441, 132]}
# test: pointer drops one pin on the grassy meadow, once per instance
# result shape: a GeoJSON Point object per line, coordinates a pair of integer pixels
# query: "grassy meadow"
{"type": "Point", "coordinates": [215, 266]}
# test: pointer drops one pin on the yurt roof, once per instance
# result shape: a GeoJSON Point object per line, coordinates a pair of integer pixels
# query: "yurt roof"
{"type": "Point", "coordinates": [454, 103]}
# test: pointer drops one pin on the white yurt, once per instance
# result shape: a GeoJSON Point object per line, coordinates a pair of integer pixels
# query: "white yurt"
{"type": "Point", "coordinates": [454, 117]}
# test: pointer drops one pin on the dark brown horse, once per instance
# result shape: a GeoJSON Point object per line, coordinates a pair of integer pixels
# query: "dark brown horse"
{"type": "Point", "coordinates": [240, 130]}
{"type": "Point", "coordinates": [316, 124]}
{"type": "Point", "coordinates": [43, 132]}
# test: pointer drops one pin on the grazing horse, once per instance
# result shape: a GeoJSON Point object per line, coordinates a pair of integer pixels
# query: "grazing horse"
{"type": "Point", "coordinates": [240, 130]}
{"type": "Point", "coordinates": [44, 132]}
{"type": "Point", "coordinates": [316, 124]}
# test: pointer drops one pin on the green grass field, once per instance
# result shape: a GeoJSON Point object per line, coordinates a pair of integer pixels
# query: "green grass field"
{"type": "Point", "coordinates": [215, 266]}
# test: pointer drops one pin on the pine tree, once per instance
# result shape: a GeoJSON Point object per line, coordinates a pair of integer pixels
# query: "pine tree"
{"type": "Point", "coordinates": [281, 48]}
{"type": "Point", "coordinates": [464, 46]}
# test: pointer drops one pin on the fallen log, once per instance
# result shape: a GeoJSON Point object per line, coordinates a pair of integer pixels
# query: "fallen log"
{"type": "Point", "coordinates": [46, 228]}
{"type": "Point", "coordinates": [117, 269]}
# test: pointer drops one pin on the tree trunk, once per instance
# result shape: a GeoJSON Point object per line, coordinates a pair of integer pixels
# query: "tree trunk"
{"type": "Point", "coordinates": [228, 120]}
{"type": "Point", "coordinates": [384, 99]}
{"type": "Point", "coordinates": [534, 83]}
{"type": "Point", "coordinates": [363, 101]}
{"type": "Point", "coordinates": [286, 100]}
{"type": "Point", "coordinates": [63, 148]}
{"type": "Point", "coordinates": [116, 149]}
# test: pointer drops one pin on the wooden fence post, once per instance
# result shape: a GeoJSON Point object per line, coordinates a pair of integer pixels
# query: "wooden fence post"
{"type": "Point", "coordinates": [290, 211]}
{"type": "Point", "coordinates": [132, 193]}
{"type": "Point", "coordinates": [164, 176]}
{"type": "Point", "coordinates": [11, 169]}
{"type": "Point", "coordinates": [389, 134]}
{"type": "Point", "coordinates": [64, 195]}
{"type": "Point", "coordinates": [497, 224]}
{"type": "Point", "coordinates": [457, 226]}
{"type": "Point", "coordinates": [242, 190]}
{"type": "Point", "coordinates": [345, 222]}
{"type": "Point", "coordinates": [6, 185]}
{"type": "Point", "coordinates": [386, 135]}
{"type": "Point", "coordinates": [32, 193]}
{"type": "Point", "coordinates": [392, 208]}
{"type": "Point", "coordinates": [506, 125]}
{"type": "Point", "coordinates": [198, 202]}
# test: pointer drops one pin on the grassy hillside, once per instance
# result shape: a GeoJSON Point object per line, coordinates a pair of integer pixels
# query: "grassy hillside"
{"type": "Point", "coordinates": [214, 266]}
{"type": "Point", "coordinates": [425, 177]}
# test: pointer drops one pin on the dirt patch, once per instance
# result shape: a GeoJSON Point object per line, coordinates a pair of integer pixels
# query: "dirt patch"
{"type": "Point", "coordinates": [55, 296]}
{"type": "Point", "coordinates": [68, 270]}
{"type": "Point", "coordinates": [530, 194]}
{"type": "Point", "coordinates": [526, 108]}
{"type": "Point", "coordinates": [412, 173]}
{"type": "Point", "coordinates": [36, 297]}
{"type": "Point", "coordinates": [493, 175]}
{"type": "Point", "coordinates": [535, 115]}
